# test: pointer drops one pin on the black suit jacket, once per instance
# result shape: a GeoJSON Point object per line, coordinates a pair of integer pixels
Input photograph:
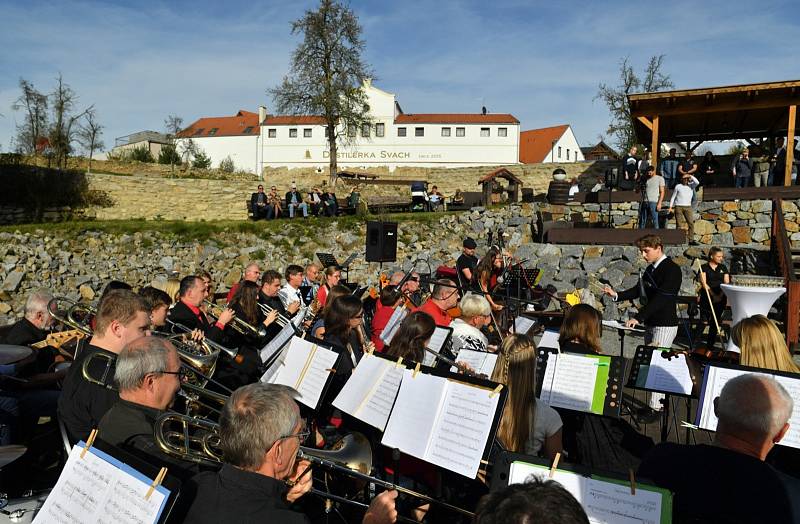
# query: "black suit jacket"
{"type": "Point", "coordinates": [254, 199]}
{"type": "Point", "coordinates": [661, 287]}
{"type": "Point", "coordinates": [298, 196]}
{"type": "Point", "coordinates": [181, 314]}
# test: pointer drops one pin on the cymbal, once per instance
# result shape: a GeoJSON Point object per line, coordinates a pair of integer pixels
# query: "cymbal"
{"type": "Point", "coordinates": [9, 454]}
{"type": "Point", "coordinates": [10, 354]}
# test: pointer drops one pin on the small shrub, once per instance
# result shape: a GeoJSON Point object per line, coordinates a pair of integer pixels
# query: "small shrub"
{"type": "Point", "coordinates": [226, 165]}
{"type": "Point", "coordinates": [169, 155]}
{"type": "Point", "coordinates": [201, 160]}
{"type": "Point", "coordinates": [141, 154]}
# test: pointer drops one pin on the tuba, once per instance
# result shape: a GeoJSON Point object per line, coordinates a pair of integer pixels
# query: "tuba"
{"type": "Point", "coordinates": [188, 438]}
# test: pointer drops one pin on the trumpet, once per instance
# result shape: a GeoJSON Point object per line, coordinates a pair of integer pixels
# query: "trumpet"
{"type": "Point", "coordinates": [266, 310]}
{"type": "Point", "coordinates": [233, 353]}
{"type": "Point", "coordinates": [239, 324]}
{"type": "Point", "coordinates": [66, 314]}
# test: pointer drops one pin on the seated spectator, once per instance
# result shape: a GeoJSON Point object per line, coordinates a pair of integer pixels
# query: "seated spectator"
{"type": "Point", "coordinates": [599, 185]}
{"type": "Point", "coordinates": [435, 198]}
{"type": "Point", "coordinates": [276, 205]}
{"type": "Point", "coordinates": [259, 203]}
{"type": "Point", "coordinates": [294, 200]}
{"type": "Point", "coordinates": [315, 201]}
{"type": "Point", "coordinates": [458, 197]}
{"type": "Point", "coordinates": [574, 188]}
{"type": "Point", "coordinates": [354, 198]}
{"type": "Point", "coordinates": [536, 501]}
{"type": "Point", "coordinates": [753, 412]}
{"type": "Point", "coordinates": [330, 206]}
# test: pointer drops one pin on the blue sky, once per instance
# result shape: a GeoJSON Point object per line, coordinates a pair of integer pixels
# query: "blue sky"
{"type": "Point", "coordinates": [540, 61]}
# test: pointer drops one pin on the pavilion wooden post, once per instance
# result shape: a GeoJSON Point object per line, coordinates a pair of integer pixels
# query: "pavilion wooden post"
{"type": "Point", "coordinates": [655, 149]}
{"type": "Point", "coordinates": [787, 177]}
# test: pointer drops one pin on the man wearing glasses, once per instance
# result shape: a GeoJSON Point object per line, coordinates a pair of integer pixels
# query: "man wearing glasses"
{"type": "Point", "coordinates": [443, 297]}
{"type": "Point", "coordinates": [149, 375]}
{"type": "Point", "coordinates": [259, 203]}
{"type": "Point", "coordinates": [261, 432]}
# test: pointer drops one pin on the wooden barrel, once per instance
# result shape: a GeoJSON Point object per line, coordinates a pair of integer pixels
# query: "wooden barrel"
{"type": "Point", "coordinates": [558, 192]}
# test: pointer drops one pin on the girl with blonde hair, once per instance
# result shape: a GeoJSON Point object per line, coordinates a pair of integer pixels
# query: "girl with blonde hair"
{"type": "Point", "coordinates": [762, 345]}
{"type": "Point", "coordinates": [526, 426]}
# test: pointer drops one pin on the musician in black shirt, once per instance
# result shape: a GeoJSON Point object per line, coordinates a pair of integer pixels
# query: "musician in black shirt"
{"type": "Point", "coordinates": [261, 431]}
{"type": "Point", "coordinates": [712, 275]}
{"type": "Point", "coordinates": [123, 317]}
{"type": "Point", "coordinates": [148, 374]}
{"type": "Point", "coordinates": [729, 482]}
{"type": "Point", "coordinates": [466, 263]}
{"type": "Point", "coordinates": [186, 310]}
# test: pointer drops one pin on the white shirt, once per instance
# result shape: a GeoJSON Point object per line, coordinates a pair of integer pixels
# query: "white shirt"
{"type": "Point", "coordinates": [467, 337]}
{"type": "Point", "coordinates": [682, 194]}
{"type": "Point", "coordinates": [546, 423]}
{"type": "Point", "coordinates": [288, 294]}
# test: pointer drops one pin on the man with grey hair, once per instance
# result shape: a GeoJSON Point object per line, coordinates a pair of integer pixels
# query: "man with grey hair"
{"type": "Point", "coordinates": [252, 273]}
{"type": "Point", "coordinates": [753, 412]}
{"type": "Point", "coordinates": [37, 321]}
{"type": "Point", "coordinates": [148, 374]}
{"type": "Point", "coordinates": [261, 431]}
{"type": "Point", "coordinates": [475, 314]}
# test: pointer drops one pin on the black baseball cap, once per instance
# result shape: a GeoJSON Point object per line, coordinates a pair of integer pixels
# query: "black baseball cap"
{"type": "Point", "coordinates": [469, 243]}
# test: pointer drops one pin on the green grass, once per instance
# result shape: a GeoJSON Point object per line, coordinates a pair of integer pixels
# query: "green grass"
{"type": "Point", "coordinates": [201, 231]}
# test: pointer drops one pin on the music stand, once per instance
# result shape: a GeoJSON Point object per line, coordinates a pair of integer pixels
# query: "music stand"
{"type": "Point", "coordinates": [327, 260]}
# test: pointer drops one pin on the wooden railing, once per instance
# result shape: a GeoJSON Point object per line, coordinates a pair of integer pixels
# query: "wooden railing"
{"type": "Point", "coordinates": [782, 254]}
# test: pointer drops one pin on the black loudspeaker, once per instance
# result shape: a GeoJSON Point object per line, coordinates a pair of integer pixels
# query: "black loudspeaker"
{"type": "Point", "coordinates": [381, 241]}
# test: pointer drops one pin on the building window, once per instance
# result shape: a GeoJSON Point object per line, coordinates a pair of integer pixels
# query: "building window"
{"type": "Point", "coordinates": [419, 131]}
{"type": "Point", "coordinates": [460, 131]}
{"type": "Point", "coordinates": [559, 151]}
{"type": "Point", "coordinates": [567, 154]}
{"type": "Point", "coordinates": [272, 133]}
{"type": "Point", "coordinates": [380, 130]}
{"type": "Point", "coordinates": [199, 132]}
{"type": "Point", "coordinates": [365, 129]}
{"type": "Point", "coordinates": [351, 130]}
{"type": "Point", "coordinates": [248, 130]}
{"type": "Point", "coordinates": [307, 133]}
{"type": "Point", "coordinates": [484, 131]}
{"type": "Point", "coordinates": [401, 131]}
{"type": "Point", "coordinates": [213, 131]}
{"type": "Point", "coordinates": [502, 131]}
{"type": "Point", "coordinates": [293, 133]}
{"type": "Point", "coordinates": [445, 131]}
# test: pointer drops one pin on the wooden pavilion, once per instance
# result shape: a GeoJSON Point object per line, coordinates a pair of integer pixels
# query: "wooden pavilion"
{"type": "Point", "coordinates": [751, 111]}
{"type": "Point", "coordinates": [490, 185]}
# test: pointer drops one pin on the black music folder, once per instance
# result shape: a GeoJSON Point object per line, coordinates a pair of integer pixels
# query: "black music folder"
{"type": "Point", "coordinates": [661, 370]}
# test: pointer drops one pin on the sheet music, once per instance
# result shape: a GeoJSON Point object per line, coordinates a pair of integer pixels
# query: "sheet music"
{"type": "Point", "coordinates": [612, 503]}
{"type": "Point", "coordinates": [615, 324]}
{"type": "Point", "coordinates": [438, 338]}
{"type": "Point", "coordinates": [716, 379]}
{"type": "Point", "coordinates": [549, 339]}
{"type": "Point", "coordinates": [523, 324]}
{"type": "Point", "coordinates": [91, 489]}
{"type": "Point", "coordinates": [482, 362]}
{"type": "Point", "coordinates": [605, 502]}
{"type": "Point", "coordinates": [269, 374]}
{"type": "Point", "coordinates": [415, 412]}
{"type": "Point", "coordinates": [277, 341]}
{"type": "Point", "coordinates": [569, 381]}
{"type": "Point", "coordinates": [314, 372]}
{"type": "Point", "coordinates": [371, 390]}
{"type": "Point", "coordinates": [393, 325]}
{"type": "Point", "coordinates": [461, 431]}
{"type": "Point", "coordinates": [669, 375]}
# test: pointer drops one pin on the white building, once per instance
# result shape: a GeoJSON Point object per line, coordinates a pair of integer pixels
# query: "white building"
{"type": "Point", "coordinates": [393, 139]}
{"type": "Point", "coordinates": [555, 144]}
{"type": "Point", "coordinates": [236, 136]}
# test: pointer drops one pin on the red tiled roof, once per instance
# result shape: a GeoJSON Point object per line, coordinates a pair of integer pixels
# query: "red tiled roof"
{"type": "Point", "coordinates": [455, 118]}
{"type": "Point", "coordinates": [534, 145]}
{"type": "Point", "coordinates": [503, 173]}
{"type": "Point", "coordinates": [292, 120]}
{"type": "Point", "coordinates": [225, 126]}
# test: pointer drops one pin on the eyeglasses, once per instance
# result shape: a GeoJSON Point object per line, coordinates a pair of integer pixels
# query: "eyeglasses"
{"type": "Point", "coordinates": [301, 435]}
{"type": "Point", "coordinates": [182, 373]}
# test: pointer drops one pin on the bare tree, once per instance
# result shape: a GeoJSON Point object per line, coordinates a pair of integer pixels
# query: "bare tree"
{"type": "Point", "coordinates": [327, 74]}
{"type": "Point", "coordinates": [173, 125]}
{"type": "Point", "coordinates": [34, 126]}
{"type": "Point", "coordinates": [62, 101]}
{"type": "Point", "coordinates": [621, 126]}
{"type": "Point", "coordinates": [89, 134]}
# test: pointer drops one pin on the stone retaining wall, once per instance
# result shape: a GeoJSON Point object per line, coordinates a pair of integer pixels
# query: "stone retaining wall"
{"type": "Point", "coordinates": [718, 223]}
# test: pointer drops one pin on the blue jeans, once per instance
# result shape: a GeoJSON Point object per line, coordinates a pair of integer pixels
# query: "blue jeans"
{"type": "Point", "coordinates": [303, 206]}
{"type": "Point", "coordinates": [741, 181]}
{"type": "Point", "coordinates": [648, 210]}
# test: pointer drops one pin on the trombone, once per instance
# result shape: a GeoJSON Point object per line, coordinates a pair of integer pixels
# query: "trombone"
{"type": "Point", "coordinates": [66, 314]}
{"type": "Point", "coordinates": [239, 324]}
{"type": "Point", "coordinates": [233, 353]}
{"type": "Point", "coordinates": [196, 440]}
